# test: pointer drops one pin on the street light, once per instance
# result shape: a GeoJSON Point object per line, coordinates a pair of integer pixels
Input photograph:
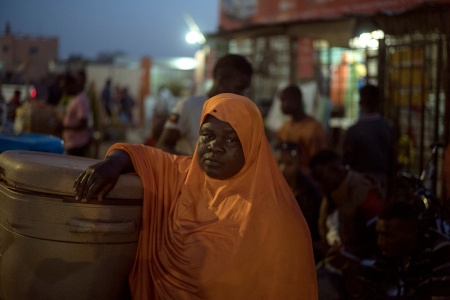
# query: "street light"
{"type": "Point", "coordinates": [367, 40]}
{"type": "Point", "coordinates": [195, 35]}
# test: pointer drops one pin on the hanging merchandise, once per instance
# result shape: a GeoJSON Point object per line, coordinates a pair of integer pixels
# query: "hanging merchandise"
{"type": "Point", "coordinates": [406, 151]}
{"type": "Point", "coordinates": [408, 76]}
{"type": "Point", "coordinates": [339, 81]}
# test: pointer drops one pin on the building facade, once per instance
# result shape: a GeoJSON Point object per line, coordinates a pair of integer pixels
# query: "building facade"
{"type": "Point", "coordinates": [26, 58]}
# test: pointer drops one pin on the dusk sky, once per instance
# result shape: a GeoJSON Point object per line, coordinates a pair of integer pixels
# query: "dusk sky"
{"type": "Point", "coordinates": [138, 27]}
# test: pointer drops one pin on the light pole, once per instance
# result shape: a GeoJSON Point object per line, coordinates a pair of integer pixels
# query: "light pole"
{"type": "Point", "coordinates": [196, 36]}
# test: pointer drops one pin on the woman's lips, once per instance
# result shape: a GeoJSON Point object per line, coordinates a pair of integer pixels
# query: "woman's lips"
{"type": "Point", "coordinates": [213, 162]}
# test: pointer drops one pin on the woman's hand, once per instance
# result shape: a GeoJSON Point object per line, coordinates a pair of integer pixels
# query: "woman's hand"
{"type": "Point", "coordinates": [100, 178]}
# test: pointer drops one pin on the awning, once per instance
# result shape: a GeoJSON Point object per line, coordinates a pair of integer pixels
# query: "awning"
{"type": "Point", "coordinates": [336, 32]}
{"type": "Point", "coordinates": [339, 32]}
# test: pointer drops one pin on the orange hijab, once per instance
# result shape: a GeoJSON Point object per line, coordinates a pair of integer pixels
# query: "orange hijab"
{"type": "Point", "coordinates": [202, 238]}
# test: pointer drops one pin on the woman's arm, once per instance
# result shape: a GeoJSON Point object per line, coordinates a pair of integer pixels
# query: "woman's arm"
{"type": "Point", "coordinates": [100, 178]}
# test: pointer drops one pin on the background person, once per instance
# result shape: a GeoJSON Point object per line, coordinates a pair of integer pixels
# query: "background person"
{"type": "Point", "coordinates": [107, 99]}
{"type": "Point", "coordinates": [414, 260]}
{"type": "Point", "coordinates": [126, 104]}
{"type": "Point", "coordinates": [369, 144]}
{"type": "Point", "coordinates": [221, 224]}
{"type": "Point", "coordinates": [164, 103]}
{"type": "Point", "coordinates": [302, 129]}
{"type": "Point", "coordinates": [13, 104]}
{"type": "Point", "coordinates": [232, 74]}
{"type": "Point", "coordinates": [54, 92]}
{"type": "Point", "coordinates": [346, 221]}
{"type": "Point", "coordinates": [94, 104]}
{"type": "Point", "coordinates": [6, 127]}
{"type": "Point", "coordinates": [288, 157]}
{"type": "Point", "coordinates": [75, 123]}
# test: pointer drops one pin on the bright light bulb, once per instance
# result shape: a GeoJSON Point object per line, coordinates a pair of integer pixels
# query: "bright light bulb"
{"type": "Point", "coordinates": [373, 44]}
{"type": "Point", "coordinates": [365, 37]}
{"type": "Point", "coordinates": [192, 37]}
{"type": "Point", "coordinates": [378, 34]}
{"type": "Point", "coordinates": [186, 63]}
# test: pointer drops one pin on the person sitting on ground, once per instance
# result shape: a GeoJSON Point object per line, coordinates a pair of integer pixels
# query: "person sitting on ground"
{"type": "Point", "coordinates": [288, 157]}
{"type": "Point", "coordinates": [221, 224]}
{"type": "Point", "coordinates": [414, 261]}
{"type": "Point", "coordinates": [302, 129]}
{"type": "Point", "coordinates": [232, 74]}
{"type": "Point", "coordinates": [346, 221]}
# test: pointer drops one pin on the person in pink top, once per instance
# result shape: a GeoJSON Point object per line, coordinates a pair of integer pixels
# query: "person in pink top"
{"type": "Point", "coordinates": [75, 124]}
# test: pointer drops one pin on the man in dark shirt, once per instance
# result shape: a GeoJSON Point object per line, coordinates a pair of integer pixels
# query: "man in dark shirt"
{"type": "Point", "coordinates": [369, 145]}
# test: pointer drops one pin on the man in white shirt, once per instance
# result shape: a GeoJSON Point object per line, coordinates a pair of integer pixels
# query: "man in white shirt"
{"type": "Point", "coordinates": [232, 74]}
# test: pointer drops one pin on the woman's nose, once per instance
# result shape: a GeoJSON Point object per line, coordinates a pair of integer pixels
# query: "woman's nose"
{"type": "Point", "coordinates": [216, 146]}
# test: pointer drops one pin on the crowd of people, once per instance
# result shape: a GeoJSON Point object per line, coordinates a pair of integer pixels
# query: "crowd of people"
{"type": "Point", "coordinates": [222, 194]}
{"type": "Point", "coordinates": [69, 107]}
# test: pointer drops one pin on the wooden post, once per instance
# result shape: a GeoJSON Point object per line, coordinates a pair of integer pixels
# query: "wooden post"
{"type": "Point", "coordinates": [144, 91]}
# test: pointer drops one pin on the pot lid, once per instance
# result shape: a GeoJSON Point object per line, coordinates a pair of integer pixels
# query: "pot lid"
{"type": "Point", "coordinates": [53, 173]}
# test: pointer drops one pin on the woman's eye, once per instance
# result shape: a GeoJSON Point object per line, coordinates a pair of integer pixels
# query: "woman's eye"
{"type": "Point", "coordinates": [231, 140]}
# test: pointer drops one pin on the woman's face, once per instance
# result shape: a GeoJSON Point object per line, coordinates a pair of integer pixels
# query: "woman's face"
{"type": "Point", "coordinates": [220, 152]}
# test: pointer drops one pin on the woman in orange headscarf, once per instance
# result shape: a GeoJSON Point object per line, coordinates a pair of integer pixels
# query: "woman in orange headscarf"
{"type": "Point", "coordinates": [222, 224]}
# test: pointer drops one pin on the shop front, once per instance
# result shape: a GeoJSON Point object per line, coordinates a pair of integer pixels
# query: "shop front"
{"type": "Point", "coordinates": [332, 48]}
